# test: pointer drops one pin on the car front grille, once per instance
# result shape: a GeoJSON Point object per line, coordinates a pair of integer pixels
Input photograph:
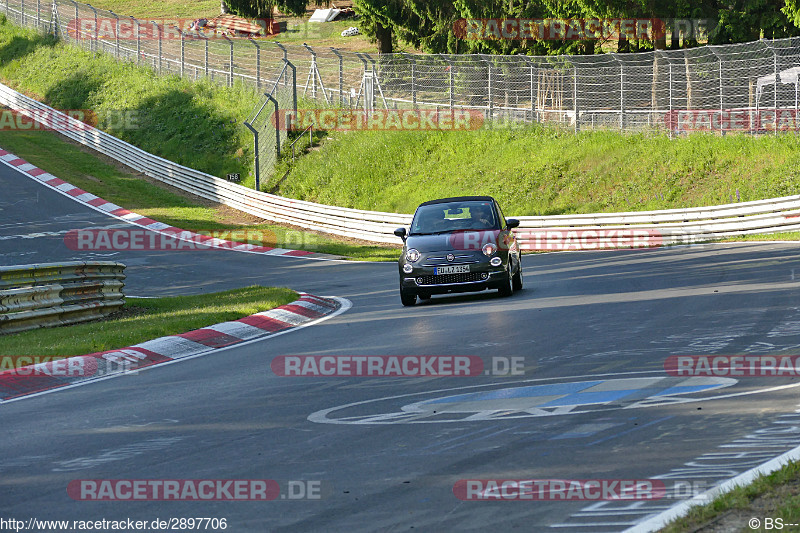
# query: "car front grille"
{"type": "Point", "coordinates": [447, 279]}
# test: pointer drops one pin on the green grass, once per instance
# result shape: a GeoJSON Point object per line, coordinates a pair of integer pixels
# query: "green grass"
{"type": "Point", "coordinates": [543, 171]}
{"type": "Point", "coordinates": [155, 9]}
{"type": "Point", "coordinates": [197, 124]}
{"type": "Point", "coordinates": [84, 169]}
{"type": "Point", "coordinates": [758, 499]}
{"type": "Point", "coordinates": [163, 316]}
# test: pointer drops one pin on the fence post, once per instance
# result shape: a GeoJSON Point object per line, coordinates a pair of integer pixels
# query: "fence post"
{"type": "Point", "coordinates": [258, 63]}
{"type": "Point", "coordinates": [341, 75]}
{"type": "Point", "coordinates": [138, 41]}
{"type": "Point", "coordinates": [22, 11]}
{"type": "Point", "coordinates": [489, 107]}
{"type": "Point", "coordinates": [183, 49]}
{"type": "Point", "coordinates": [116, 34]}
{"type": "Point", "coordinates": [777, 81]}
{"type": "Point", "coordinates": [312, 73]}
{"type": "Point", "coordinates": [277, 126]}
{"type": "Point", "coordinates": [575, 97]}
{"type": "Point", "coordinates": [230, 77]}
{"type": "Point", "coordinates": [294, 85]}
{"type": "Point", "coordinates": [413, 80]}
{"type": "Point", "coordinates": [158, 32]}
{"type": "Point", "coordinates": [719, 60]}
{"type": "Point", "coordinates": [96, 34]}
{"type": "Point", "coordinates": [38, 15]}
{"type": "Point", "coordinates": [285, 57]}
{"type": "Point", "coordinates": [451, 82]}
{"type": "Point", "coordinates": [673, 119]}
{"type": "Point", "coordinates": [255, 150]}
{"type": "Point", "coordinates": [205, 55]}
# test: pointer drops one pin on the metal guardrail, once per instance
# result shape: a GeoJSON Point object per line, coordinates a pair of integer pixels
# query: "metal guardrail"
{"type": "Point", "coordinates": [550, 232]}
{"type": "Point", "coordinates": [55, 294]}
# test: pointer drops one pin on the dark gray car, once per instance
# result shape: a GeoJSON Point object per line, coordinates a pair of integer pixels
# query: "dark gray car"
{"type": "Point", "coordinates": [461, 244]}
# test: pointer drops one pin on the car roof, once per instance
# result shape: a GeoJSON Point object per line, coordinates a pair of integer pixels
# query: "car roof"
{"type": "Point", "coordinates": [459, 199]}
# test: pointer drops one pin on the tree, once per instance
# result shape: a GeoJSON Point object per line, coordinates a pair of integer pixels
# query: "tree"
{"type": "Point", "coordinates": [431, 25]}
{"type": "Point", "coordinates": [263, 8]}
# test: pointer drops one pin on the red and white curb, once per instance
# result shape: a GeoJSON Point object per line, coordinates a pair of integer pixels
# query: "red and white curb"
{"type": "Point", "coordinates": [113, 210]}
{"type": "Point", "coordinates": [74, 371]}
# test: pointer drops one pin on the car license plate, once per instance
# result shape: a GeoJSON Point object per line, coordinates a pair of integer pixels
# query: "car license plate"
{"type": "Point", "coordinates": [455, 269]}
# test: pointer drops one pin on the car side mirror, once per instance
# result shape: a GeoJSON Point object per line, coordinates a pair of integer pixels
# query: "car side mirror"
{"type": "Point", "coordinates": [512, 223]}
{"type": "Point", "coordinates": [401, 232]}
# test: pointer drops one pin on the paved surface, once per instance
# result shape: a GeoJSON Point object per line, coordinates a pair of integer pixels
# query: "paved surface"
{"type": "Point", "coordinates": [388, 451]}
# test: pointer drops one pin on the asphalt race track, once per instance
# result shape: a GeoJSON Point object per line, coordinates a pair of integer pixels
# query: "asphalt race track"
{"type": "Point", "coordinates": [387, 452]}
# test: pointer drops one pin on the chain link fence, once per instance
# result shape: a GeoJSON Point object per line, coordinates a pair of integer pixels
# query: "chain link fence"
{"type": "Point", "coordinates": [750, 87]}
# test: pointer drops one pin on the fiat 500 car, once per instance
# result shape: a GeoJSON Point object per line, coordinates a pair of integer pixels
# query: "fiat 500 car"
{"type": "Point", "coordinates": [462, 244]}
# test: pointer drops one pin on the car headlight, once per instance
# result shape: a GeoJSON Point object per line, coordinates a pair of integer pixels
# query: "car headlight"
{"type": "Point", "coordinates": [407, 268]}
{"type": "Point", "coordinates": [412, 255]}
{"type": "Point", "coordinates": [489, 249]}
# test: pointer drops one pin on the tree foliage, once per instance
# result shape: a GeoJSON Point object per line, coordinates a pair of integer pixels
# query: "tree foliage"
{"type": "Point", "coordinates": [263, 8]}
{"type": "Point", "coordinates": [430, 25]}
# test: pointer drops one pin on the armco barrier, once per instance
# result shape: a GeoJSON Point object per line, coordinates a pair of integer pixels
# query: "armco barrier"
{"type": "Point", "coordinates": [53, 294]}
{"type": "Point", "coordinates": [560, 232]}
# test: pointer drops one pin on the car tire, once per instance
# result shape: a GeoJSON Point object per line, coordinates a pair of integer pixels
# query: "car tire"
{"type": "Point", "coordinates": [408, 298]}
{"type": "Point", "coordinates": [516, 281]}
{"type": "Point", "coordinates": [507, 289]}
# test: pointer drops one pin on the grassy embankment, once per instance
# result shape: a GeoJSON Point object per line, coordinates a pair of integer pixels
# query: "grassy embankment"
{"type": "Point", "coordinates": [144, 319]}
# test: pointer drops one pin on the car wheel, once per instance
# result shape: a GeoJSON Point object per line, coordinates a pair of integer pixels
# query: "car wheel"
{"type": "Point", "coordinates": [507, 289]}
{"type": "Point", "coordinates": [408, 298]}
{"type": "Point", "coordinates": [516, 281]}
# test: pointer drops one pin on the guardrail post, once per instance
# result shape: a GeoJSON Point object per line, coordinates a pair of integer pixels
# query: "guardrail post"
{"type": "Point", "coordinates": [96, 32]}
{"type": "Point", "coordinates": [116, 34]}
{"type": "Point", "coordinates": [258, 63]}
{"type": "Point", "coordinates": [230, 77]}
{"type": "Point", "coordinates": [341, 75]}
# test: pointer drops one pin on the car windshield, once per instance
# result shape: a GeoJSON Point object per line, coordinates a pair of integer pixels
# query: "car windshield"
{"type": "Point", "coordinates": [454, 216]}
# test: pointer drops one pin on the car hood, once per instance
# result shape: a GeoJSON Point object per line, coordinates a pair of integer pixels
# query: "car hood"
{"type": "Point", "coordinates": [457, 240]}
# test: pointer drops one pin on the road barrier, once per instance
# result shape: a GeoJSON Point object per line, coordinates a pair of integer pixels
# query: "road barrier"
{"type": "Point", "coordinates": [559, 232]}
{"type": "Point", "coordinates": [54, 294]}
